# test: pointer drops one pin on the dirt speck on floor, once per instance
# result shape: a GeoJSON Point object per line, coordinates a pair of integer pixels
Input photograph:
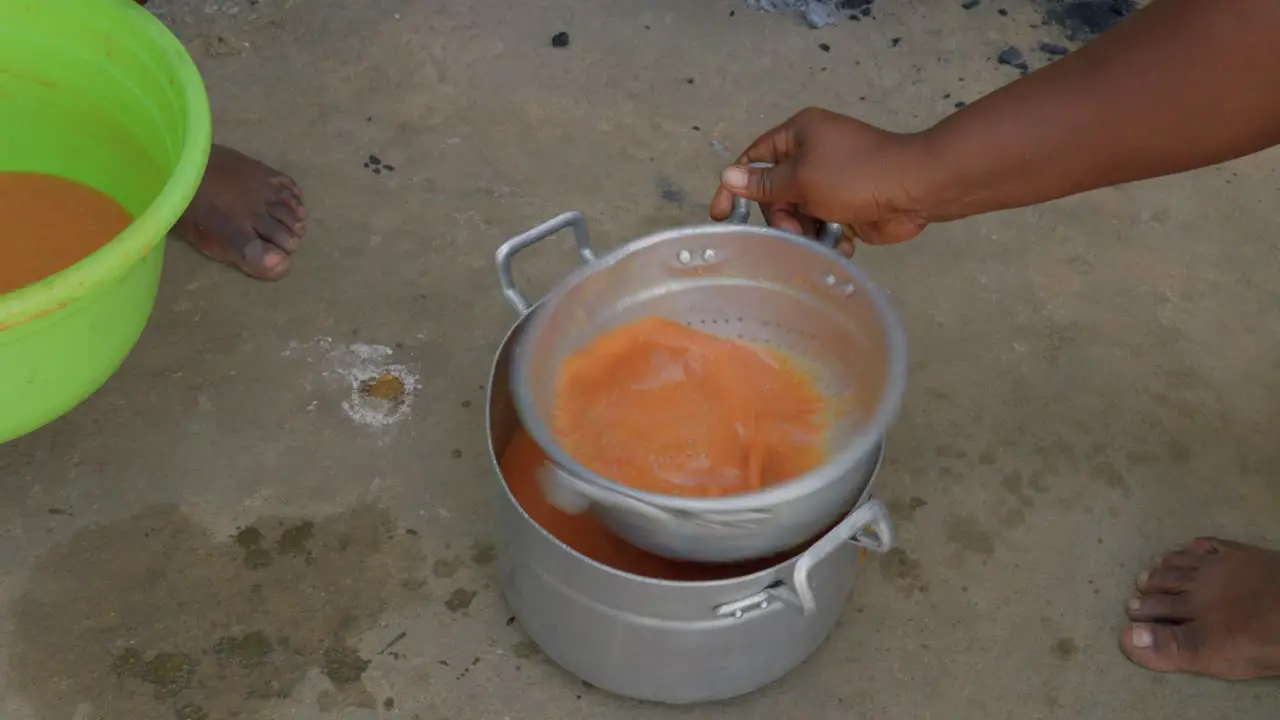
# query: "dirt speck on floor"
{"type": "Point", "coordinates": [246, 651]}
{"type": "Point", "coordinates": [459, 600]}
{"type": "Point", "coordinates": [343, 665]}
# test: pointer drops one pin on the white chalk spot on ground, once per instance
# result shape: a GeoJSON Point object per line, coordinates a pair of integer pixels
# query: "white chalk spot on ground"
{"type": "Point", "coordinates": [381, 391]}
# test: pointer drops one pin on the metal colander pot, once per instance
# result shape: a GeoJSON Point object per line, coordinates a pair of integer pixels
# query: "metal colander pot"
{"type": "Point", "coordinates": [756, 284]}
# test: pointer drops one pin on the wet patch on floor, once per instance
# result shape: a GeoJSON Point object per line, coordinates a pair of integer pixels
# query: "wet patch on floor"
{"type": "Point", "coordinates": [903, 570]}
{"type": "Point", "coordinates": [526, 649]}
{"type": "Point", "coordinates": [969, 535]}
{"type": "Point", "coordinates": [1065, 649]}
{"type": "Point", "coordinates": [483, 553]}
{"type": "Point", "coordinates": [904, 509]}
{"type": "Point", "coordinates": [459, 600]}
{"type": "Point", "coordinates": [381, 391]}
{"type": "Point", "coordinates": [151, 617]}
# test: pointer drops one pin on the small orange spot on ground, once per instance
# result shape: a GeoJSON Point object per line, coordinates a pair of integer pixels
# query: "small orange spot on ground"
{"type": "Point", "coordinates": [383, 387]}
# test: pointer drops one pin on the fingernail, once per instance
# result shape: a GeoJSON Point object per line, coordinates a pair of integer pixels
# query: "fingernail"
{"type": "Point", "coordinates": [1134, 603]}
{"type": "Point", "coordinates": [1142, 637]}
{"type": "Point", "coordinates": [734, 178]}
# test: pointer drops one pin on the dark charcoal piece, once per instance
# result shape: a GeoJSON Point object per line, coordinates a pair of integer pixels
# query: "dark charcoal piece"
{"type": "Point", "coordinates": [1012, 57]}
{"type": "Point", "coordinates": [970, 4]}
{"type": "Point", "coordinates": [894, 42]}
{"type": "Point", "coordinates": [1085, 19]}
{"type": "Point", "coordinates": [824, 47]}
{"type": "Point", "coordinates": [1049, 48]}
{"type": "Point", "coordinates": [375, 160]}
{"type": "Point", "coordinates": [560, 39]}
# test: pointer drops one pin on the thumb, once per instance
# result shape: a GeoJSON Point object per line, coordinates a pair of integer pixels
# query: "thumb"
{"type": "Point", "coordinates": [774, 184]}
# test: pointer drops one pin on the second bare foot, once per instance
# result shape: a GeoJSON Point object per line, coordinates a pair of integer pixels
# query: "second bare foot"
{"type": "Point", "coordinates": [1211, 608]}
{"type": "Point", "coordinates": [245, 215]}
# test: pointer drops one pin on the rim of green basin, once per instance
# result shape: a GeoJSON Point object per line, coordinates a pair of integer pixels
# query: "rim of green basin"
{"type": "Point", "coordinates": [151, 226]}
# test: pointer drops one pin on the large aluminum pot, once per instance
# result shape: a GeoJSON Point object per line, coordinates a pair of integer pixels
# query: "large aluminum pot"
{"type": "Point", "coordinates": [733, 279]}
{"type": "Point", "coordinates": [664, 641]}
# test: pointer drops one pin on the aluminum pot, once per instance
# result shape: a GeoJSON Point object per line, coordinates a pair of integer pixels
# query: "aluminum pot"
{"type": "Point", "coordinates": [659, 640]}
{"type": "Point", "coordinates": [732, 279]}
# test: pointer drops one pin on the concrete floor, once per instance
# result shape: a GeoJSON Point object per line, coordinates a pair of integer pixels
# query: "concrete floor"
{"type": "Point", "coordinates": [1091, 382]}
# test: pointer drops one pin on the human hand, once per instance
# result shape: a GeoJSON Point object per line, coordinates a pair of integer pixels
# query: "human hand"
{"type": "Point", "coordinates": [831, 168]}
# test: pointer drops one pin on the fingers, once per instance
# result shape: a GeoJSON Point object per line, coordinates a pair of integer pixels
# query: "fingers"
{"type": "Point", "coordinates": [721, 204]}
{"type": "Point", "coordinates": [848, 242]}
{"type": "Point", "coordinates": [775, 184]}
{"type": "Point", "coordinates": [774, 146]}
{"type": "Point", "coordinates": [784, 217]}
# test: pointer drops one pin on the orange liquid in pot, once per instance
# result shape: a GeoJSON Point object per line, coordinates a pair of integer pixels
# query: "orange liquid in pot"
{"type": "Point", "coordinates": [520, 464]}
{"type": "Point", "coordinates": [48, 224]}
{"type": "Point", "coordinates": [669, 409]}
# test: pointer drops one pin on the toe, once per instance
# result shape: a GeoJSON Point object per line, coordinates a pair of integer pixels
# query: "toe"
{"type": "Point", "coordinates": [1160, 607]}
{"type": "Point", "coordinates": [264, 261]}
{"type": "Point", "coordinates": [287, 182]}
{"type": "Point", "coordinates": [1184, 559]}
{"type": "Point", "coordinates": [1205, 546]}
{"type": "Point", "coordinates": [289, 217]}
{"type": "Point", "coordinates": [1159, 647]}
{"type": "Point", "coordinates": [1170, 580]}
{"type": "Point", "coordinates": [288, 191]}
{"type": "Point", "coordinates": [276, 232]}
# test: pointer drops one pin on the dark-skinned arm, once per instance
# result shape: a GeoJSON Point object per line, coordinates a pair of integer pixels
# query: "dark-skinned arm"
{"type": "Point", "coordinates": [1181, 84]}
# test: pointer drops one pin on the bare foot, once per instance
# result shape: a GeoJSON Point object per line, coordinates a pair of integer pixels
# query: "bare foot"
{"type": "Point", "coordinates": [1211, 608]}
{"type": "Point", "coordinates": [245, 215]}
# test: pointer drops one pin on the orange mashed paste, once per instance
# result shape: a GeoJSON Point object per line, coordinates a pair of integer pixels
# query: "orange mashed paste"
{"type": "Point", "coordinates": [662, 407]}
{"type": "Point", "coordinates": [48, 224]}
{"type": "Point", "coordinates": [520, 464]}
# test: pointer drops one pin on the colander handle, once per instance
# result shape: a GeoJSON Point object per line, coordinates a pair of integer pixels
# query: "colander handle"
{"type": "Point", "coordinates": [741, 214]}
{"type": "Point", "coordinates": [509, 249]}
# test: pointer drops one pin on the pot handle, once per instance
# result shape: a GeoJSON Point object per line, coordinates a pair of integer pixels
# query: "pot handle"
{"type": "Point", "coordinates": [509, 249]}
{"type": "Point", "coordinates": [741, 214]}
{"type": "Point", "coordinates": [873, 516]}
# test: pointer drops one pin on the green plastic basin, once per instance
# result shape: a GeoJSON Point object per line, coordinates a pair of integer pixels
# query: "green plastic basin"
{"type": "Point", "coordinates": [101, 92]}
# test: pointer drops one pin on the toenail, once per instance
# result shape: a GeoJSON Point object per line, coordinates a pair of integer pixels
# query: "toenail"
{"type": "Point", "coordinates": [1134, 603]}
{"type": "Point", "coordinates": [1144, 577]}
{"type": "Point", "coordinates": [1142, 637]}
